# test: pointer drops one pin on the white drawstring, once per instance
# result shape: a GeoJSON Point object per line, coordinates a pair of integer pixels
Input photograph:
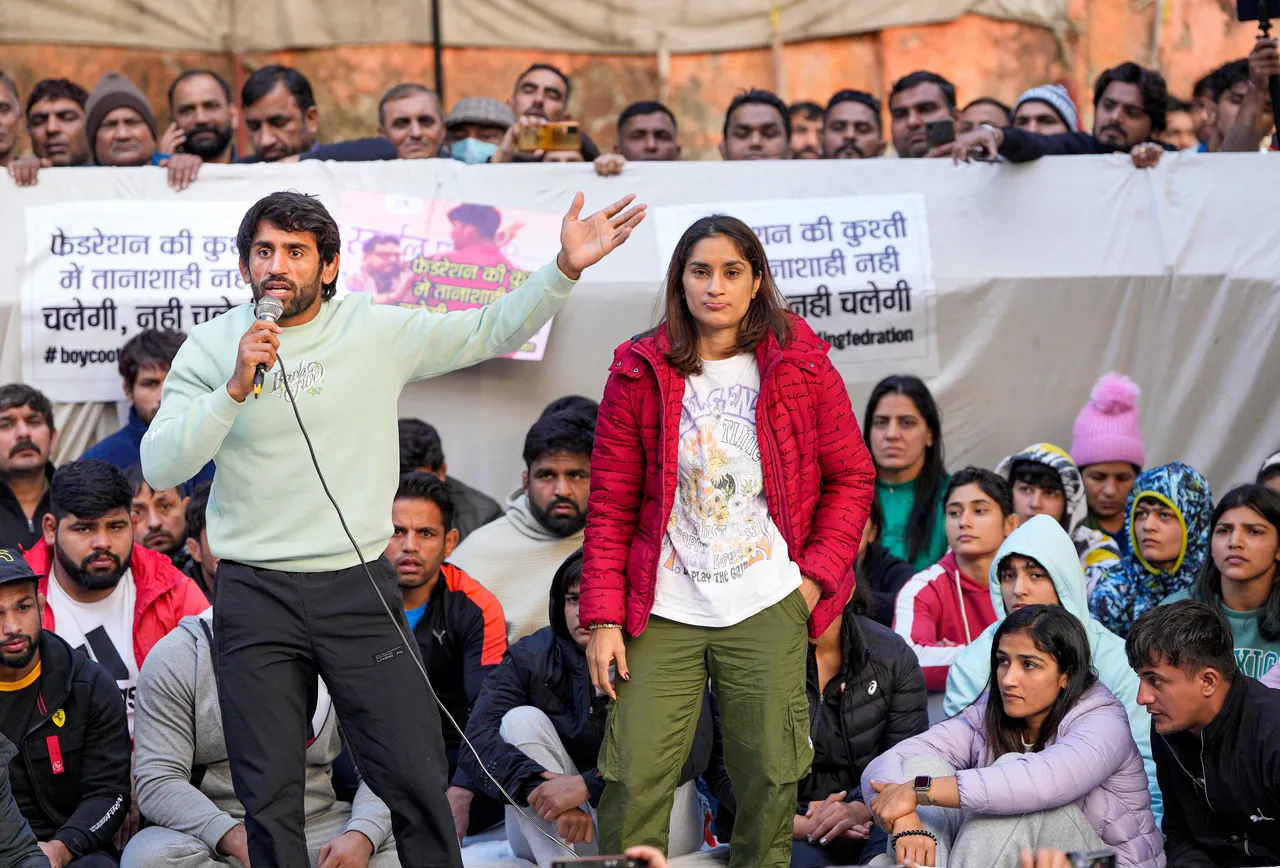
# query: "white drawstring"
{"type": "Point", "coordinates": [964, 616]}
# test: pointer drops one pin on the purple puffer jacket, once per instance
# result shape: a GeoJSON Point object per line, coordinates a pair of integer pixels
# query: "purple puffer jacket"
{"type": "Point", "coordinates": [1092, 762]}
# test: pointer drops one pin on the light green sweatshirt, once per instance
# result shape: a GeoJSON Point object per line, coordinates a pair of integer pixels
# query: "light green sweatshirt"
{"type": "Point", "coordinates": [346, 369]}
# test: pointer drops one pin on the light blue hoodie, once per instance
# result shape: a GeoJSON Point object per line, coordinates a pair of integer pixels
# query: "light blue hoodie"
{"type": "Point", "coordinates": [1043, 539]}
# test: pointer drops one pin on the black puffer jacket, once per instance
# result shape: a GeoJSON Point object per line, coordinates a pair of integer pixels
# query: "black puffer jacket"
{"type": "Point", "coordinates": [549, 672]}
{"type": "Point", "coordinates": [879, 699]}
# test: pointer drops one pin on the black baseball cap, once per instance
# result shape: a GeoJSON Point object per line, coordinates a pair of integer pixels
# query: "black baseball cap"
{"type": "Point", "coordinates": [14, 567]}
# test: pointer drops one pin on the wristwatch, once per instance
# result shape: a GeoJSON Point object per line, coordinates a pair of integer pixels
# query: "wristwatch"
{"type": "Point", "coordinates": [922, 784]}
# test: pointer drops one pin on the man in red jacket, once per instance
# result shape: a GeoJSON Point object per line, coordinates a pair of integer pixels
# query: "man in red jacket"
{"type": "Point", "coordinates": [105, 594]}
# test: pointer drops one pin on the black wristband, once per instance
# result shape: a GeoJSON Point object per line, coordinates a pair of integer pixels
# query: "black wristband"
{"type": "Point", "coordinates": [924, 832]}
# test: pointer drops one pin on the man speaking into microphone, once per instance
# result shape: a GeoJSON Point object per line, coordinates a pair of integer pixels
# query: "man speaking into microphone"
{"type": "Point", "coordinates": [293, 599]}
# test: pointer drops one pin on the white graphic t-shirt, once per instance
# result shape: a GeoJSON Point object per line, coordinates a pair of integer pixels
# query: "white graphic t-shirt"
{"type": "Point", "coordinates": [103, 629]}
{"type": "Point", "coordinates": [723, 559]}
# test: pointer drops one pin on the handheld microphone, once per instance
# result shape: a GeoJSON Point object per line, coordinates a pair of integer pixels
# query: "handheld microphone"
{"type": "Point", "coordinates": [268, 308]}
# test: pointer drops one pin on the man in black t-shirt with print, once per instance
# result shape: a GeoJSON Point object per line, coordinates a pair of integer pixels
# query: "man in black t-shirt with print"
{"type": "Point", "coordinates": [65, 715]}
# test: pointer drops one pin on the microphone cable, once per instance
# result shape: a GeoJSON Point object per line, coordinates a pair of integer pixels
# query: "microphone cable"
{"type": "Point", "coordinates": [409, 639]}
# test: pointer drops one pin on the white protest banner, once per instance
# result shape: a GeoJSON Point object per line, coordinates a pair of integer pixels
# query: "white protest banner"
{"type": "Point", "coordinates": [858, 268]}
{"type": "Point", "coordinates": [98, 273]}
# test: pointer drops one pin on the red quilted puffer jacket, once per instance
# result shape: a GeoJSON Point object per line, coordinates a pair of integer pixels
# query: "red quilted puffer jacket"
{"type": "Point", "coordinates": [818, 475]}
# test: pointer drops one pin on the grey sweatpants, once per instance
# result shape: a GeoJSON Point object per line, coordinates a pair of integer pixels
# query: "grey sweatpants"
{"type": "Point", "coordinates": [158, 847]}
{"type": "Point", "coordinates": [530, 731]}
{"type": "Point", "coordinates": [969, 840]}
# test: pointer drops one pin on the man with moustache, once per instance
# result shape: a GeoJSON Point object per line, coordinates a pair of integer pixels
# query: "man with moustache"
{"type": "Point", "coordinates": [27, 440]}
{"type": "Point", "coordinates": [806, 130]}
{"type": "Point", "coordinates": [853, 127]}
{"type": "Point", "coordinates": [516, 555]}
{"type": "Point", "coordinates": [459, 625]}
{"type": "Point", "coordinates": [106, 595]}
{"type": "Point", "coordinates": [64, 714]}
{"type": "Point", "coordinates": [119, 123]}
{"type": "Point", "coordinates": [160, 519]}
{"type": "Point", "coordinates": [203, 115]}
{"type": "Point", "coordinates": [55, 123]}
{"type": "Point", "coordinates": [297, 594]}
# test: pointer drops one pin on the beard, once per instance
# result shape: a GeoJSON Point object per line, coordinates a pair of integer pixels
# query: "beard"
{"type": "Point", "coordinates": [560, 525]}
{"type": "Point", "coordinates": [93, 580]}
{"type": "Point", "coordinates": [299, 299]}
{"type": "Point", "coordinates": [1119, 135]}
{"type": "Point", "coordinates": [22, 658]}
{"type": "Point", "coordinates": [211, 143]}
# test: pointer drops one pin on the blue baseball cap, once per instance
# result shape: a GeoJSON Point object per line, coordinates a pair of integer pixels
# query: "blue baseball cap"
{"type": "Point", "coordinates": [14, 567]}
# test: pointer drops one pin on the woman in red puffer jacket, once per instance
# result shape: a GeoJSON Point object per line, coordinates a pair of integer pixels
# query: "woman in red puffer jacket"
{"type": "Point", "coordinates": [729, 489]}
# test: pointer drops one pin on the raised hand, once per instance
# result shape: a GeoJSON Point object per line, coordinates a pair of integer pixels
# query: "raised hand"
{"type": "Point", "coordinates": [584, 242]}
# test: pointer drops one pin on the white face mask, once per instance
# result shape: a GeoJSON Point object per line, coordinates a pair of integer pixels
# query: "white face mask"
{"type": "Point", "coordinates": [472, 151]}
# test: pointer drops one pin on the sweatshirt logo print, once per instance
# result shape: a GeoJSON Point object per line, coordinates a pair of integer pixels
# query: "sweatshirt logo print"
{"type": "Point", "coordinates": [305, 378]}
{"type": "Point", "coordinates": [1261, 817]}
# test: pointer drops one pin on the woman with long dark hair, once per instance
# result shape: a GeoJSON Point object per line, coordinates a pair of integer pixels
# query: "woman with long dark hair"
{"type": "Point", "coordinates": [904, 434]}
{"type": "Point", "coordinates": [1044, 758]}
{"type": "Point", "coordinates": [729, 489]}
{"type": "Point", "coordinates": [1240, 576]}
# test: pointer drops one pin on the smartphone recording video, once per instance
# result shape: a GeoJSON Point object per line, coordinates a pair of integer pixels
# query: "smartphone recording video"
{"type": "Point", "coordinates": [941, 132]}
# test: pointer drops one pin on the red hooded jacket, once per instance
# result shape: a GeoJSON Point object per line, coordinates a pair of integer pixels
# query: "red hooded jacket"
{"type": "Point", "coordinates": [818, 475]}
{"type": "Point", "coordinates": [165, 595]}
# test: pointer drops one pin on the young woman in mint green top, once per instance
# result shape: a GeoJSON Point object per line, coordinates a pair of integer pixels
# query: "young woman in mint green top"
{"type": "Point", "coordinates": [1240, 577]}
{"type": "Point", "coordinates": [904, 433]}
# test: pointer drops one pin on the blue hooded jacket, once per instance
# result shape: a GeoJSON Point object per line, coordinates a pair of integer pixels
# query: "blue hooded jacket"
{"type": "Point", "coordinates": [1043, 539]}
{"type": "Point", "coordinates": [123, 449]}
{"type": "Point", "coordinates": [1133, 585]}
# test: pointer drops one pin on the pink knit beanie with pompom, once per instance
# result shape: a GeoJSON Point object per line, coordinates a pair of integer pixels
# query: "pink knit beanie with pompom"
{"type": "Point", "coordinates": [1107, 428]}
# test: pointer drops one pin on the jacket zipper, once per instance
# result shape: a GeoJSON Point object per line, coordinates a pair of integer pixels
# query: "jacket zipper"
{"type": "Point", "coordinates": [31, 773]}
{"type": "Point", "coordinates": [665, 510]}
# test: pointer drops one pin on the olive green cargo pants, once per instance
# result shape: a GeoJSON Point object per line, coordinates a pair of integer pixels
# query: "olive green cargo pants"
{"type": "Point", "coordinates": [757, 669]}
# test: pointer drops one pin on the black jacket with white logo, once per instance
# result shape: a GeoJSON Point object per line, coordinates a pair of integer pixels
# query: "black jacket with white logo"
{"type": "Point", "coordinates": [77, 750]}
{"type": "Point", "coordinates": [1222, 788]}
{"type": "Point", "coordinates": [874, 701]}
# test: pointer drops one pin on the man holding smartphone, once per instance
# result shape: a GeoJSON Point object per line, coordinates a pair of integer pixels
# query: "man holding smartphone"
{"type": "Point", "coordinates": [915, 101]}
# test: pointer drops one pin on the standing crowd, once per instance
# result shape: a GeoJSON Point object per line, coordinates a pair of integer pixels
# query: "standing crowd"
{"type": "Point", "coordinates": [116, 125]}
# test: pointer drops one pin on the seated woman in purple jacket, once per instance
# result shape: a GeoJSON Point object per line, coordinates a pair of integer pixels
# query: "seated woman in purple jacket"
{"type": "Point", "coordinates": [1043, 758]}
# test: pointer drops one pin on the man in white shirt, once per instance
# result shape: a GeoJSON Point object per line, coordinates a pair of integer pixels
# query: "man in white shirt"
{"type": "Point", "coordinates": [105, 594]}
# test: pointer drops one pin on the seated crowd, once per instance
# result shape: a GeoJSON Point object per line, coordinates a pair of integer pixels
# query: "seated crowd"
{"type": "Point", "coordinates": [276, 110]}
{"type": "Point", "coordinates": [1091, 638]}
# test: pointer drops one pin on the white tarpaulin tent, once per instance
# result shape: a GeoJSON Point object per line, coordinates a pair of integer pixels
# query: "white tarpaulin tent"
{"type": "Point", "coordinates": [1047, 275]}
{"type": "Point", "coordinates": [644, 26]}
